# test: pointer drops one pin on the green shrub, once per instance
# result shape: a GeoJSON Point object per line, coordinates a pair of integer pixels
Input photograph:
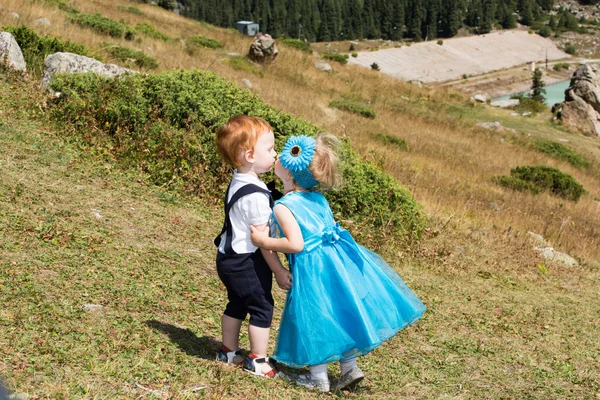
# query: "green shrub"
{"type": "Point", "coordinates": [296, 44]}
{"type": "Point", "coordinates": [127, 55]}
{"type": "Point", "coordinates": [242, 64]}
{"type": "Point", "coordinates": [132, 10]}
{"type": "Point", "coordinates": [542, 178]}
{"type": "Point", "coordinates": [528, 104]}
{"type": "Point", "coordinates": [440, 42]}
{"type": "Point", "coordinates": [351, 48]}
{"type": "Point", "coordinates": [561, 152]}
{"type": "Point", "coordinates": [395, 141]}
{"type": "Point", "coordinates": [163, 124]}
{"type": "Point", "coordinates": [62, 6]}
{"type": "Point", "coordinates": [354, 55]}
{"type": "Point", "coordinates": [353, 108]}
{"type": "Point", "coordinates": [375, 67]}
{"type": "Point", "coordinates": [336, 57]}
{"type": "Point", "coordinates": [570, 49]}
{"type": "Point", "coordinates": [560, 66]}
{"type": "Point", "coordinates": [103, 25]}
{"type": "Point", "coordinates": [148, 30]}
{"type": "Point", "coordinates": [545, 31]}
{"type": "Point", "coordinates": [35, 48]}
{"type": "Point", "coordinates": [205, 42]}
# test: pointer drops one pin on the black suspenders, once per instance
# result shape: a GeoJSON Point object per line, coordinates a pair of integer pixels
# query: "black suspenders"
{"type": "Point", "coordinates": [243, 191]}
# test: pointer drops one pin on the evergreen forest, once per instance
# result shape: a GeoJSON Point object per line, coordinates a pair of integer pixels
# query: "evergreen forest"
{"type": "Point", "coordinates": [329, 20]}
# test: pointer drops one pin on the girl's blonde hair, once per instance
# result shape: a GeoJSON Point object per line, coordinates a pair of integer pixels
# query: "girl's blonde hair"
{"type": "Point", "coordinates": [324, 165]}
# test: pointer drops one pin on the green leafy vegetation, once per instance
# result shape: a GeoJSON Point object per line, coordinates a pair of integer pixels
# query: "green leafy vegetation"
{"type": "Point", "coordinates": [561, 152]}
{"type": "Point", "coordinates": [375, 67]}
{"type": "Point", "coordinates": [163, 124]}
{"type": "Point", "coordinates": [127, 55]}
{"type": "Point", "coordinates": [131, 10]}
{"type": "Point", "coordinates": [354, 55]}
{"type": "Point", "coordinates": [205, 42]}
{"type": "Point", "coordinates": [570, 49]}
{"type": "Point", "coordinates": [560, 66]}
{"type": "Point", "coordinates": [542, 178]}
{"type": "Point", "coordinates": [62, 5]}
{"type": "Point", "coordinates": [242, 64]}
{"type": "Point", "coordinates": [341, 58]}
{"type": "Point", "coordinates": [352, 107]}
{"type": "Point", "coordinates": [395, 141]}
{"type": "Point", "coordinates": [35, 48]}
{"type": "Point", "coordinates": [103, 25]}
{"type": "Point", "coordinates": [296, 44]}
{"type": "Point", "coordinates": [149, 30]}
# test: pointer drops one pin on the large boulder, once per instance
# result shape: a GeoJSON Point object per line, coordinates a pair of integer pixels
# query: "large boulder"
{"type": "Point", "coordinates": [73, 63]}
{"type": "Point", "coordinates": [11, 53]}
{"type": "Point", "coordinates": [263, 49]}
{"type": "Point", "coordinates": [581, 109]}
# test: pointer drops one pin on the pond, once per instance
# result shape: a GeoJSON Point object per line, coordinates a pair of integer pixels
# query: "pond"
{"type": "Point", "coordinates": [555, 93]}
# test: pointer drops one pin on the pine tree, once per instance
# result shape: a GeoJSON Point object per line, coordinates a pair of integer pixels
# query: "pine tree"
{"type": "Point", "coordinates": [537, 86]}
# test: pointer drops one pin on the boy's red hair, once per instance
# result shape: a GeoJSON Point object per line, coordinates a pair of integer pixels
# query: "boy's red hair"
{"type": "Point", "coordinates": [238, 134]}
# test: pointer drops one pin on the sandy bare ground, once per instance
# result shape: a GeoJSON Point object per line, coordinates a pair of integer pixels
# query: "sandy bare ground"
{"type": "Point", "coordinates": [429, 62]}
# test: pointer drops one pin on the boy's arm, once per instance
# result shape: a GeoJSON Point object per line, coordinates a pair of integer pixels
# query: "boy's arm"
{"type": "Point", "coordinates": [282, 275]}
{"type": "Point", "coordinates": [292, 243]}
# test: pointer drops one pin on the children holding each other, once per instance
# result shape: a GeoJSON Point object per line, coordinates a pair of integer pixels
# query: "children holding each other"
{"type": "Point", "coordinates": [345, 300]}
{"type": "Point", "coordinates": [247, 144]}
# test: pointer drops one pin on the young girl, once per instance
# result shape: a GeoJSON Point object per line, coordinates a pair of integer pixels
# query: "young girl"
{"type": "Point", "coordinates": [345, 300]}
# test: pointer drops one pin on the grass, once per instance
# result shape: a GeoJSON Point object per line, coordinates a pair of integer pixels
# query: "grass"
{"type": "Point", "coordinates": [496, 327]}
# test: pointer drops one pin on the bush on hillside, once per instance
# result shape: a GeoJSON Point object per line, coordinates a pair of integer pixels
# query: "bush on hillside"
{"type": "Point", "coordinates": [341, 58]}
{"type": "Point", "coordinates": [561, 152]}
{"type": "Point", "coordinates": [545, 31]}
{"type": "Point", "coordinates": [62, 5]}
{"type": "Point", "coordinates": [149, 30]}
{"type": "Point", "coordinates": [35, 48]}
{"type": "Point", "coordinates": [127, 55]}
{"type": "Point", "coordinates": [353, 108]}
{"type": "Point", "coordinates": [132, 10]}
{"type": "Point", "coordinates": [395, 141]}
{"type": "Point", "coordinates": [560, 66]}
{"type": "Point", "coordinates": [542, 178]}
{"type": "Point", "coordinates": [296, 44]}
{"type": "Point", "coordinates": [205, 42]}
{"type": "Point", "coordinates": [103, 25]}
{"type": "Point", "coordinates": [164, 124]}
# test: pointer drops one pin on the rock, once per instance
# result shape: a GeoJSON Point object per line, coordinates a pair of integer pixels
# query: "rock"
{"type": "Point", "coordinates": [549, 254]}
{"type": "Point", "coordinates": [496, 126]}
{"type": "Point", "coordinates": [247, 82]}
{"type": "Point", "coordinates": [581, 109]}
{"type": "Point", "coordinates": [505, 103]}
{"type": "Point", "coordinates": [263, 49]}
{"type": "Point", "coordinates": [538, 240]}
{"type": "Point", "coordinates": [74, 63]}
{"type": "Point", "coordinates": [323, 66]}
{"type": "Point", "coordinates": [42, 22]}
{"type": "Point", "coordinates": [480, 98]}
{"type": "Point", "coordinates": [93, 307]}
{"type": "Point", "coordinates": [19, 396]}
{"type": "Point", "coordinates": [14, 15]}
{"type": "Point", "coordinates": [11, 52]}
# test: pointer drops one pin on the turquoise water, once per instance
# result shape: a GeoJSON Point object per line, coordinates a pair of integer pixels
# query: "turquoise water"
{"type": "Point", "coordinates": [555, 93]}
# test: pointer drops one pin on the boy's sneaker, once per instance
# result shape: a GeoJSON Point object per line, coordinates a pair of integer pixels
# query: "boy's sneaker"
{"type": "Point", "coordinates": [307, 382]}
{"type": "Point", "coordinates": [230, 357]}
{"type": "Point", "coordinates": [255, 367]}
{"type": "Point", "coordinates": [350, 379]}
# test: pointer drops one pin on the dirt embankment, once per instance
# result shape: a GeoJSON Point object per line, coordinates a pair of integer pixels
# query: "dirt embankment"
{"type": "Point", "coordinates": [430, 62]}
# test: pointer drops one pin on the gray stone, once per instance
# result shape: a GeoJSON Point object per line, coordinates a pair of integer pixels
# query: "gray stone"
{"type": "Point", "coordinates": [549, 254]}
{"type": "Point", "coordinates": [11, 52]}
{"type": "Point", "coordinates": [14, 15]}
{"type": "Point", "coordinates": [19, 396]}
{"type": "Point", "coordinates": [93, 307]}
{"type": "Point", "coordinates": [247, 82]}
{"type": "Point", "coordinates": [495, 126]}
{"type": "Point", "coordinates": [263, 49]}
{"type": "Point", "coordinates": [74, 63]}
{"type": "Point", "coordinates": [480, 98]}
{"type": "Point", "coordinates": [42, 22]}
{"type": "Point", "coordinates": [323, 66]}
{"type": "Point", "coordinates": [505, 103]}
{"type": "Point", "coordinates": [538, 240]}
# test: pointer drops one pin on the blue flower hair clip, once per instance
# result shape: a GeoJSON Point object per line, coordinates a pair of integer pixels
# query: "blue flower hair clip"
{"type": "Point", "coordinates": [296, 156]}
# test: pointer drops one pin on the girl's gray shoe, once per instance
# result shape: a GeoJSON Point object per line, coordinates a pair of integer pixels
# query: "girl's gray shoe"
{"type": "Point", "coordinates": [350, 379]}
{"type": "Point", "coordinates": [305, 381]}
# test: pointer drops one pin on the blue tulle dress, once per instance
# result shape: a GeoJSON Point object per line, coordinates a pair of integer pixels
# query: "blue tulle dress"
{"type": "Point", "coordinates": [345, 300]}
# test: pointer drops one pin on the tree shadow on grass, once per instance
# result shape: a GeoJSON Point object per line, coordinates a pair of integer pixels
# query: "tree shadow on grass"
{"type": "Point", "coordinates": [205, 347]}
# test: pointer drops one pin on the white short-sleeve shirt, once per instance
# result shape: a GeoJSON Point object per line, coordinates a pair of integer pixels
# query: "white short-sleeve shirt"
{"type": "Point", "coordinates": [252, 209]}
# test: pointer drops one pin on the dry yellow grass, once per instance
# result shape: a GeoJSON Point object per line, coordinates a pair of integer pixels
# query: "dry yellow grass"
{"type": "Point", "coordinates": [450, 163]}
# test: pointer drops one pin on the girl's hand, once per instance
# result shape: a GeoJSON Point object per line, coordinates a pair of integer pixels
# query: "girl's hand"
{"type": "Point", "coordinates": [258, 237]}
{"type": "Point", "coordinates": [284, 279]}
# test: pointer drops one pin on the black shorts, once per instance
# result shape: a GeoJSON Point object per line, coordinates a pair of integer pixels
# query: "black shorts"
{"type": "Point", "coordinates": [248, 280]}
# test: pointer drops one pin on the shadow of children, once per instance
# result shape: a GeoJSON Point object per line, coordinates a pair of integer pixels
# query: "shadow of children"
{"type": "Point", "coordinates": [204, 347]}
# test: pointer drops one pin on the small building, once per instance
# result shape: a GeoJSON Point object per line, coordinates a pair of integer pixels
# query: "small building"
{"type": "Point", "coordinates": [247, 28]}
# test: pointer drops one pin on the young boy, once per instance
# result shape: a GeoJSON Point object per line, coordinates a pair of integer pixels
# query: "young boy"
{"type": "Point", "coordinates": [247, 144]}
